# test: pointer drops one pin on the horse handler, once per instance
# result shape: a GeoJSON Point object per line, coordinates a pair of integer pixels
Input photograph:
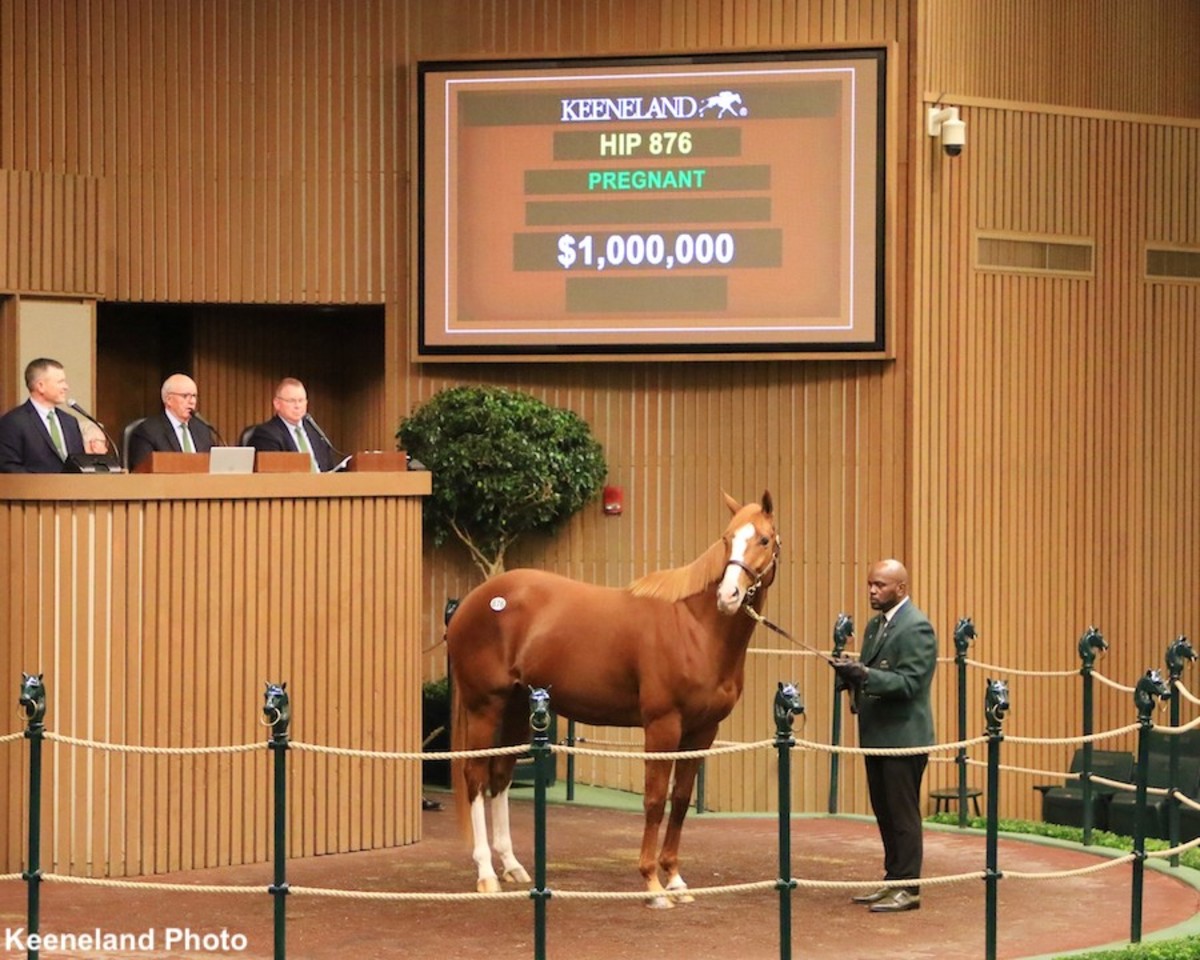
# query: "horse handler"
{"type": "Point", "coordinates": [890, 684]}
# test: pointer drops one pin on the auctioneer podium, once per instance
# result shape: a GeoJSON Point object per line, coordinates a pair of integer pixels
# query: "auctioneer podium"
{"type": "Point", "coordinates": [158, 606]}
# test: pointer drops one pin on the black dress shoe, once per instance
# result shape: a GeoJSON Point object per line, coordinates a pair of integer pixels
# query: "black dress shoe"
{"type": "Point", "coordinates": [898, 902]}
{"type": "Point", "coordinates": [875, 896]}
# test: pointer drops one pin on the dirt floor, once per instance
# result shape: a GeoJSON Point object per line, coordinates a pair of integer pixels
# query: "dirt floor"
{"type": "Point", "coordinates": [594, 849]}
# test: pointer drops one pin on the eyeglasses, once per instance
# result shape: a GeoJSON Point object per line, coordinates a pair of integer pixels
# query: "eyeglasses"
{"type": "Point", "coordinates": [292, 399]}
{"type": "Point", "coordinates": [186, 396]}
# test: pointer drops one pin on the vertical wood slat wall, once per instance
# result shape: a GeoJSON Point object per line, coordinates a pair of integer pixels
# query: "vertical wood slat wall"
{"type": "Point", "coordinates": [157, 622]}
{"type": "Point", "coordinates": [268, 163]}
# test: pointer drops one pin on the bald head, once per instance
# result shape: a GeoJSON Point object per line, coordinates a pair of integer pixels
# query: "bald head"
{"type": "Point", "coordinates": [179, 396]}
{"type": "Point", "coordinates": [887, 584]}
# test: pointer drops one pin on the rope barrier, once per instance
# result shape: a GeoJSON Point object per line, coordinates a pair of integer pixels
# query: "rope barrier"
{"type": "Point", "coordinates": [1077, 872]}
{"type": "Point", "coordinates": [134, 748]}
{"type": "Point", "coordinates": [1090, 738]}
{"type": "Point", "coordinates": [1185, 693]}
{"type": "Point", "coordinates": [257, 890]}
{"type": "Point", "coordinates": [1111, 683]}
{"type": "Point", "coordinates": [410, 754]}
{"type": "Point", "coordinates": [885, 751]}
{"type": "Point", "coordinates": [663, 754]}
{"type": "Point", "coordinates": [1023, 673]}
{"type": "Point", "coordinates": [20, 735]}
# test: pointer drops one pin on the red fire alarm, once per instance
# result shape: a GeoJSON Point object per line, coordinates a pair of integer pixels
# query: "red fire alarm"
{"type": "Point", "coordinates": [614, 498]}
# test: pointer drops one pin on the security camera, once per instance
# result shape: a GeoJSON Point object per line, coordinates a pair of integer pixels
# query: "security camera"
{"type": "Point", "coordinates": [944, 123]}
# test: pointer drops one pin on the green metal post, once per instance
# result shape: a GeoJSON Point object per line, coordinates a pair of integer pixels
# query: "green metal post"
{"type": "Point", "coordinates": [1179, 650]}
{"type": "Point", "coordinates": [33, 700]}
{"type": "Point", "coordinates": [964, 632]}
{"type": "Point", "coordinates": [277, 712]}
{"type": "Point", "coordinates": [787, 705]}
{"type": "Point", "coordinates": [539, 724]}
{"type": "Point", "coordinates": [570, 761]}
{"type": "Point", "coordinates": [1091, 641]}
{"type": "Point", "coordinates": [843, 630]}
{"type": "Point", "coordinates": [1144, 694]}
{"type": "Point", "coordinates": [995, 709]}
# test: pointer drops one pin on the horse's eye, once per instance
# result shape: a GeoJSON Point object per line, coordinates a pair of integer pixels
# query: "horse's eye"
{"type": "Point", "coordinates": [764, 541]}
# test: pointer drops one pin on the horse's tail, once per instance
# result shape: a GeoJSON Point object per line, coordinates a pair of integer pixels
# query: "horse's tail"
{"type": "Point", "coordinates": [458, 778]}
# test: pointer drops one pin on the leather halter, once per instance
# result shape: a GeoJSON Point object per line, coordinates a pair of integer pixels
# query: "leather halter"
{"type": "Point", "coordinates": [755, 575]}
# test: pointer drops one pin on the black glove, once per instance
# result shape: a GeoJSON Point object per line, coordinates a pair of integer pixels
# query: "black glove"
{"type": "Point", "coordinates": [853, 673]}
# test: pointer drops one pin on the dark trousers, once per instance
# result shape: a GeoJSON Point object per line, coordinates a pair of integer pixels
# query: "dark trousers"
{"type": "Point", "coordinates": [895, 787]}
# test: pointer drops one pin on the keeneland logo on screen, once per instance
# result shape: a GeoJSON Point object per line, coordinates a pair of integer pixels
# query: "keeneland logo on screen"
{"type": "Point", "coordinates": [725, 103]}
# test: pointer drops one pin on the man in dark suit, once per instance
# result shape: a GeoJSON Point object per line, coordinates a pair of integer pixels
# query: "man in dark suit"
{"type": "Point", "coordinates": [292, 429]}
{"type": "Point", "coordinates": [35, 437]}
{"type": "Point", "coordinates": [890, 684]}
{"type": "Point", "coordinates": [176, 428]}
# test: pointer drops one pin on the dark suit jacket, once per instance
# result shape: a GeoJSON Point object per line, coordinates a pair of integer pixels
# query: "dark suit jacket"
{"type": "Point", "coordinates": [25, 444]}
{"type": "Point", "coordinates": [275, 434]}
{"type": "Point", "coordinates": [157, 433]}
{"type": "Point", "coordinates": [893, 704]}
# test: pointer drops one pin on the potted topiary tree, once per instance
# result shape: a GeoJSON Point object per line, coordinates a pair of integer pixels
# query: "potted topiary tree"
{"type": "Point", "coordinates": [504, 464]}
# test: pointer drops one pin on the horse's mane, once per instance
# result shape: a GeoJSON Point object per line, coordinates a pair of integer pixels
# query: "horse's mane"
{"type": "Point", "coordinates": [672, 585]}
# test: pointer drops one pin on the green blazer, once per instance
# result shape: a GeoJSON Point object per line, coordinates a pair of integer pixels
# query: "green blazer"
{"type": "Point", "coordinates": [893, 704]}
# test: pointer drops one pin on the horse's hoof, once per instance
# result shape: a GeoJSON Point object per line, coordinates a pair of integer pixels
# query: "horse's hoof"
{"type": "Point", "coordinates": [487, 885]}
{"type": "Point", "coordinates": [516, 875]}
{"type": "Point", "coordinates": [682, 897]}
{"type": "Point", "coordinates": [659, 903]}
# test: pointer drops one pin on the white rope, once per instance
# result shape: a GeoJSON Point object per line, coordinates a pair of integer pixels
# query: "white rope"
{"type": "Point", "coordinates": [12, 736]}
{"type": "Point", "coordinates": [1111, 683]}
{"type": "Point", "coordinates": [169, 751]}
{"type": "Point", "coordinates": [412, 755]}
{"type": "Point", "coordinates": [1090, 738]}
{"type": "Point", "coordinates": [1021, 673]}
{"type": "Point", "coordinates": [258, 890]}
{"type": "Point", "coordinates": [887, 751]}
{"type": "Point", "coordinates": [1185, 693]}
{"type": "Point", "coordinates": [663, 754]}
{"type": "Point", "coordinates": [1077, 872]}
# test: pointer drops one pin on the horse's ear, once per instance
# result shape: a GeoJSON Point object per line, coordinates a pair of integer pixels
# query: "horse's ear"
{"type": "Point", "coordinates": [283, 686]}
{"type": "Point", "coordinates": [767, 505]}
{"type": "Point", "coordinates": [732, 504]}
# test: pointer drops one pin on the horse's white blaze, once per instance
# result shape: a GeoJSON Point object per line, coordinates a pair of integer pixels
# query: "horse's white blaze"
{"type": "Point", "coordinates": [729, 590]}
{"type": "Point", "coordinates": [482, 856]}
{"type": "Point", "coordinates": [502, 840]}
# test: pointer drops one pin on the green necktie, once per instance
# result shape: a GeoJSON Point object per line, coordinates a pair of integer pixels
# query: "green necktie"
{"type": "Point", "coordinates": [56, 435]}
{"type": "Point", "coordinates": [186, 438]}
{"type": "Point", "coordinates": [303, 447]}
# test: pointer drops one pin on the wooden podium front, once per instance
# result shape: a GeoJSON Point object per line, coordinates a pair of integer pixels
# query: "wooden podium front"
{"type": "Point", "coordinates": [158, 606]}
{"type": "Point", "coordinates": [167, 461]}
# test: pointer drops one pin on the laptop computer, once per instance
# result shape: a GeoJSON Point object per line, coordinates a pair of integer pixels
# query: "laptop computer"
{"type": "Point", "coordinates": [231, 460]}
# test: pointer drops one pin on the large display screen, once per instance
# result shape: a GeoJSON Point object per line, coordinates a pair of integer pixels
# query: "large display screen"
{"type": "Point", "coordinates": [700, 206]}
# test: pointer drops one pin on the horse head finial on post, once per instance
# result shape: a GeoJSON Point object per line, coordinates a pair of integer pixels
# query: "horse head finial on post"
{"type": "Point", "coordinates": [1090, 643]}
{"type": "Point", "coordinates": [843, 630]}
{"type": "Point", "coordinates": [996, 705]}
{"type": "Point", "coordinates": [33, 699]}
{"type": "Point", "coordinates": [788, 704]}
{"type": "Point", "coordinates": [1179, 650]}
{"type": "Point", "coordinates": [1148, 688]}
{"type": "Point", "coordinates": [964, 633]}
{"type": "Point", "coordinates": [539, 710]}
{"type": "Point", "coordinates": [277, 709]}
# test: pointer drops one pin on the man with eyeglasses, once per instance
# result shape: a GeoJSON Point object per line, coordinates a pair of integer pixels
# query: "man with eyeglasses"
{"type": "Point", "coordinates": [292, 429]}
{"type": "Point", "coordinates": [36, 437]}
{"type": "Point", "coordinates": [176, 428]}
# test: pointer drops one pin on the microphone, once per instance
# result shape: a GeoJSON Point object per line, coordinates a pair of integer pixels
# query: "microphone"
{"type": "Point", "coordinates": [220, 441]}
{"type": "Point", "coordinates": [113, 448]}
{"type": "Point", "coordinates": [321, 433]}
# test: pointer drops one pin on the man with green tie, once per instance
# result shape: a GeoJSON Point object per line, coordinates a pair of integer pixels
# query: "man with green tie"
{"type": "Point", "coordinates": [890, 684]}
{"type": "Point", "coordinates": [177, 429]}
{"type": "Point", "coordinates": [37, 437]}
{"type": "Point", "coordinates": [292, 429]}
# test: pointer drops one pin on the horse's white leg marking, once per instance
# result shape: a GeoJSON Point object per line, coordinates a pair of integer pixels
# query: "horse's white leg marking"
{"type": "Point", "coordinates": [486, 882]}
{"type": "Point", "coordinates": [729, 591]}
{"type": "Point", "coordinates": [502, 840]}
{"type": "Point", "coordinates": [678, 889]}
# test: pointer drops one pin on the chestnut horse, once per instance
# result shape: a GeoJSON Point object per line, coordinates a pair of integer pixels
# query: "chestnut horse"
{"type": "Point", "coordinates": [666, 654]}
